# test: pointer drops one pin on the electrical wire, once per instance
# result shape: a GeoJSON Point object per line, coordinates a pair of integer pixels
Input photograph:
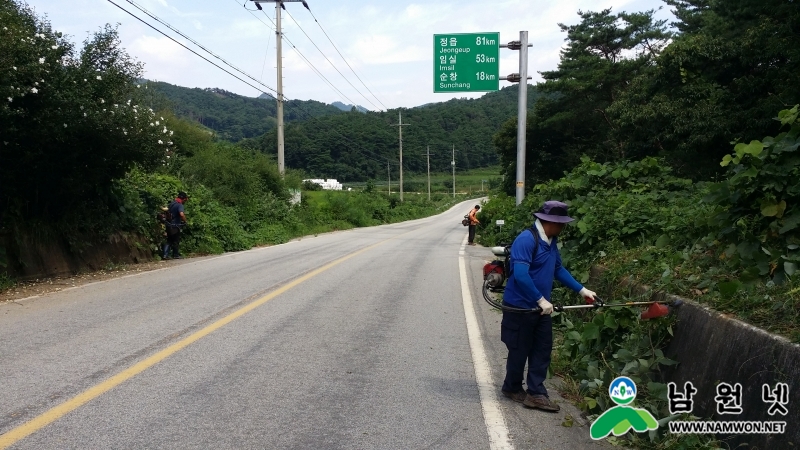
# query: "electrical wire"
{"type": "Point", "coordinates": [329, 61]}
{"type": "Point", "coordinates": [343, 58]}
{"type": "Point", "coordinates": [154, 17]}
{"type": "Point", "coordinates": [288, 41]}
{"type": "Point", "coordinates": [266, 53]}
{"type": "Point", "coordinates": [187, 48]}
{"type": "Point", "coordinates": [377, 158]}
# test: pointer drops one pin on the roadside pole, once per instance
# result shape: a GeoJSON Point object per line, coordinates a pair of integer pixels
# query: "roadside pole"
{"type": "Point", "coordinates": [522, 107]}
{"type": "Point", "coordinates": [453, 163]}
{"type": "Point", "coordinates": [279, 55]}
{"type": "Point", "coordinates": [400, 126]}
{"type": "Point", "coordinates": [428, 154]}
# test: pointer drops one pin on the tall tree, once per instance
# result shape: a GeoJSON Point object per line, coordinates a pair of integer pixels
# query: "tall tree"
{"type": "Point", "coordinates": [70, 122]}
{"type": "Point", "coordinates": [604, 52]}
{"type": "Point", "coordinates": [733, 64]}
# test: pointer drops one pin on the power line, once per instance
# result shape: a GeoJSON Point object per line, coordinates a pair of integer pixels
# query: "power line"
{"type": "Point", "coordinates": [266, 53]}
{"type": "Point", "coordinates": [378, 158]}
{"type": "Point", "coordinates": [288, 41]}
{"type": "Point", "coordinates": [343, 58]}
{"type": "Point", "coordinates": [154, 17]}
{"type": "Point", "coordinates": [329, 61]}
{"type": "Point", "coordinates": [187, 48]}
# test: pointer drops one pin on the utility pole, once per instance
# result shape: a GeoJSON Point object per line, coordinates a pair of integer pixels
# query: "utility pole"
{"type": "Point", "coordinates": [389, 177]}
{"type": "Point", "coordinates": [400, 126]}
{"type": "Point", "coordinates": [428, 154]}
{"type": "Point", "coordinates": [278, 41]}
{"type": "Point", "coordinates": [522, 106]}
{"type": "Point", "coordinates": [453, 163]}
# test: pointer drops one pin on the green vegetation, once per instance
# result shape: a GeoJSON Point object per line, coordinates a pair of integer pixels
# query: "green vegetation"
{"type": "Point", "coordinates": [732, 245]}
{"type": "Point", "coordinates": [631, 135]}
{"type": "Point", "coordinates": [634, 130]}
{"type": "Point", "coordinates": [355, 147]}
{"type": "Point", "coordinates": [221, 219]}
{"type": "Point", "coordinates": [627, 87]}
{"type": "Point", "coordinates": [71, 122]}
{"type": "Point", "coordinates": [234, 117]}
{"type": "Point", "coordinates": [471, 182]}
{"type": "Point", "coordinates": [351, 147]}
{"type": "Point", "coordinates": [85, 158]}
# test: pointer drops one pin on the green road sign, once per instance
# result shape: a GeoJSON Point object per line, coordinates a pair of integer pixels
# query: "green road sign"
{"type": "Point", "coordinates": [466, 62]}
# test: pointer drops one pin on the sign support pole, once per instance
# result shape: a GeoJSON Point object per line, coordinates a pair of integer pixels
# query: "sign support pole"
{"type": "Point", "coordinates": [522, 114]}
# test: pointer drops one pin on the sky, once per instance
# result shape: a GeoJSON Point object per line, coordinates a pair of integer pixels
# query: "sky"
{"type": "Point", "coordinates": [387, 43]}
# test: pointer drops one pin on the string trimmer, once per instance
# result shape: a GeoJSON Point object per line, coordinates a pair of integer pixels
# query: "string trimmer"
{"type": "Point", "coordinates": [494, 278]}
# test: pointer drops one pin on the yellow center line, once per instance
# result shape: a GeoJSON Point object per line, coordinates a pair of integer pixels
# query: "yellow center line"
{"type": "Point", "coordinates": [55, 413]}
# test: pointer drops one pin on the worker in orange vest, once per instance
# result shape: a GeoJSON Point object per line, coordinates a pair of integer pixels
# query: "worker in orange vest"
{"type": "Point", "coordinates": [473, 224]}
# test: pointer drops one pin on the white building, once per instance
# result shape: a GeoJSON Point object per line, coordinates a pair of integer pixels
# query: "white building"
{"type": "Point", "coordinates": [329, 185]}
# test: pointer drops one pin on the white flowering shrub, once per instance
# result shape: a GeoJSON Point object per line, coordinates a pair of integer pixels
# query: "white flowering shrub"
{"type": "Point", "coordinates": [71, 121]}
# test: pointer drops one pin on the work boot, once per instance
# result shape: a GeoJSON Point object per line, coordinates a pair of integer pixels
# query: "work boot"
{"type": "Point", "coordinates": [540, 402]}
{"type": "Point", "coordinates": [518, 396]}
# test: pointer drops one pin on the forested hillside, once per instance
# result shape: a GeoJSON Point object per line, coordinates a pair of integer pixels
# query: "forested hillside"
{"type": "Point", "coordinates": [357, 146]}
{"type": "Point", "coordinates": [630, 86]}
{"type": "Point", "coordinates": [325, 142]}
{"type": "Point", "coordinates": [89, 155]}
{"type": "Point", "coordinates": [231, 116]}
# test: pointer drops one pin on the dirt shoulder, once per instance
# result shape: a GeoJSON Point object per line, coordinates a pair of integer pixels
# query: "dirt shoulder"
{"type": "Point", "coordinates": [39, 287]}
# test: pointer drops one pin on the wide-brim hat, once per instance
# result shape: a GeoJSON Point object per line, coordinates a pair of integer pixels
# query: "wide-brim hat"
{"type": "Point", "coordinates": [554, 211]}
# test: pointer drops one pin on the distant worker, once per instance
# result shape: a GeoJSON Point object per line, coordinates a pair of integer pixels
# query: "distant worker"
{"type": "Point", "coordinates": [176, 221]}
{"type": "Point", "coordinates": [473, 223]}
{"type": "Point", "coordinates": [535, 261]}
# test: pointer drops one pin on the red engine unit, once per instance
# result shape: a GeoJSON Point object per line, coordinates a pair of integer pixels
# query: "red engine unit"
{"type": "Point", "coordinates": [493, 267]}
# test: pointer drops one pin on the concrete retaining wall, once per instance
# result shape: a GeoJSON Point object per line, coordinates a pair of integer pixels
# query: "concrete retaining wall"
{"type": "Point", "coordinates": [712, 348]}
{"type": "Point", "coordinates": [29, 258]}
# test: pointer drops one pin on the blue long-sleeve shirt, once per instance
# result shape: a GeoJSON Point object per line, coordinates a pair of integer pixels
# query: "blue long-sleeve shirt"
{"type": "Point", "coordinates": [532, 276]}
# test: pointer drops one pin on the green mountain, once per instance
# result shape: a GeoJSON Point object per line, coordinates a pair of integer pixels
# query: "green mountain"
{"type": "Point", "coordinates": [325, 141]}
{"type": "Point", "coordinates": [346, 107]}
{"type": "Point", "coordinates": [234, 117]}
{"type": "Point", "coordinates": [356, 146]}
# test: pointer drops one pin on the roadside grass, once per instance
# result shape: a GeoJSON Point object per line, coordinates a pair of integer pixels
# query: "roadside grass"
{"type": "Point", "coordinates": [771, 307]}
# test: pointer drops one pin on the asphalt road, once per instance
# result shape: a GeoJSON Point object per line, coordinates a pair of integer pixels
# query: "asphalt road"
{"type": "Point", "coordinates": [355, 339]}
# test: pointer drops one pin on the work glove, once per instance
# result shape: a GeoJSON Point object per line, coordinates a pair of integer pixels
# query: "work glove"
{"type": "Point", "coordinates": [547, 307]}
{"type": "Point", "coordinates": [588, 295]}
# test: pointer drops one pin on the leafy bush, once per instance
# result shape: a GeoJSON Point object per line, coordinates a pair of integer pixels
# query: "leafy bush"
{"type": "Point", "coordinates": [757, 208]}
{"type": "Point", "coordinates": [631, 203]}
{"type": "Point", "coordinates": [414, 186]}
{"type": "Point", "coordinates": [309, 185]}
{"type": "Point", "coordinates": [71, 122]}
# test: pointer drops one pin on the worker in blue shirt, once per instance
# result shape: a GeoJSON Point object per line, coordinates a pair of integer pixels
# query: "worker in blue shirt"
{"type": "Point", "coordinates": [535, 262]}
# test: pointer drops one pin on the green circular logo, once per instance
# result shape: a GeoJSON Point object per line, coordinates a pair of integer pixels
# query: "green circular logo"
{"type": "Point", "coordinates": [622, 390]}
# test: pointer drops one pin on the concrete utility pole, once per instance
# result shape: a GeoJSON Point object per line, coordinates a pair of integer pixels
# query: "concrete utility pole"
{"type": "Point", "coordinates": [278, 41]}
{"type": "Point", "coordinates": [389, 176]}
{"type": "Point", "coordinates": [400, 126]}
{"type": "Point", "coordinates": [428, 154]}
{"type": "Point", "coordinates": [453, 163]}
{"type": "Point", "coordinates": [522, 106]}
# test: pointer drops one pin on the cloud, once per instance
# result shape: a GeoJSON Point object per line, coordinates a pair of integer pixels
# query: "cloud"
{"type": "Point", "coordinates": [387, 42]}
{"type": "Point", "coordinates": [163, 58]}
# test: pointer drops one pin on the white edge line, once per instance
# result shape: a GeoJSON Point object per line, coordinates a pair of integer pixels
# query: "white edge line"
{"type": "Point", "coordinates": [492, 413]}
